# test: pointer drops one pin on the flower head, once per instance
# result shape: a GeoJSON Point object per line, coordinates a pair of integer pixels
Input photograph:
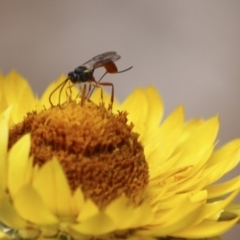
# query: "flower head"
{"type": "Point", "coordinates": [97, 149]}
{"type": "Point", "coordinates": [84, 171]}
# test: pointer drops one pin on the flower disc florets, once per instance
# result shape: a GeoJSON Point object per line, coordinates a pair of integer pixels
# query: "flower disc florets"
{"type": "Point", "coordinates": [96, 148]}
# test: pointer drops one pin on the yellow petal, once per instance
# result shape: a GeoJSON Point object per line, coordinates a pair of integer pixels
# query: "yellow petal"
{"type": "Point", "coordinates": [220, 154]}
{"type": "Point", "coordinates": [17, 92]}
{"type": "Point", "coordinates": [196, 145]}
{"type": "Point", "coordinates": [30, 206]}
{"type": "Point", "coordinates": [213, 210]}
{"type": "Point", "coordinates": [162, 171]}
{"type": "Point", "coordinates": [56, 194]}
{"type": "Point", "coordinates": [161, 145]}
{"type": "Point", "coordinates": [155, 110]}
{"type": "Point", "coordinates": [223, 160]}
{"type": "Point", "coordinates": [206, 229]}
{"type": "Point", "coordinates": [223, 188]}
{"type": "Point", "coordinates": [125, 215]}
{"type": "Point", "coordinates": [97, 225]}
{"type": "Point", "coordinates": [166, 206]}
{"type": "Point", "coordinates": [19, 164]}
{"type": "Point", "coordinates": [9, 216]}
{"type": "Point", "coordinates": [175, 220]}
{"type": "Point", "coordinates": [190, 128]}
{"type": "Point", "coordinates": [89, 209]}
{"type": "Point", "coordinates": [3, 151]}
{"type": "Point", "coordinates": [3, 102]}
{"type": "Point", "coordinates": [28, 233]}
{"type": "Point", "coordinates": [137, 107]}
{"type": "Point", "coordinates": [192, 177]}
{"type": "Point", "coordinates": [233, 208]}
{"type": "Point", "coordinates": [14, 85]}
{"type": "Point", "coordinates": [216, 171]}
{"type": "Point", "coordinates": [6, 113]}
{"type": "Point", "coordinates": [78, 200]}
{"type": "Point", "coordinates": [4, 236]}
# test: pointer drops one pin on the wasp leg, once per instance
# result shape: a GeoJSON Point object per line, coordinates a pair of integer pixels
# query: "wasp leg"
{"type": "Point", "coordinates": [83, 94]}
{"type": "Point", "coordinates": [112, 92]}
{"type": "Point", "coordinates": [88, 92]}
{"type": "Point", "coordinates": [95, 84]}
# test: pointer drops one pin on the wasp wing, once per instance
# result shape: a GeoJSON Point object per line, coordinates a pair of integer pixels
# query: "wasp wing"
{"type": "Point", "coordinates": [101, 60]}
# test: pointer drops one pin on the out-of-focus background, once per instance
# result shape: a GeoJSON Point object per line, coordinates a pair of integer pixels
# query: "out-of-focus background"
{"type": "Point", "coordinates": [189, 50]}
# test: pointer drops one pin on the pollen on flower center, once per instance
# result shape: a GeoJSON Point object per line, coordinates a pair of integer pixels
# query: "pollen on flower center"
{"type": "Point", "coordinates": [96, 148]}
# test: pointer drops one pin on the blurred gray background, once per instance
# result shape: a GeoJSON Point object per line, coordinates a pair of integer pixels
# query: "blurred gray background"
{"type": "Point", "coordinates": [189, 50]}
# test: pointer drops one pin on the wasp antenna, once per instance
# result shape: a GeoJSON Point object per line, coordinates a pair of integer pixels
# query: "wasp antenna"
{"type": "Point", "coordinates": [61, 85]}
{"type": "Point", "coordinates": [60, 93]}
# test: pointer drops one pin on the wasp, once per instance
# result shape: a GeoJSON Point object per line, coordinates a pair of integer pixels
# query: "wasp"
{"type": "Point", "coordinates": [84, 74]}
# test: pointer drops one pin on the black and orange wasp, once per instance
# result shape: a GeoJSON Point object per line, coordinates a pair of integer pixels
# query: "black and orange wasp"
{"type": "Point", "coordinates": [84, 74]}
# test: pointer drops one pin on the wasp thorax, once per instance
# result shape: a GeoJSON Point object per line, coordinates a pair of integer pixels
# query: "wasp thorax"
{"type": "Point", "coordinates": [80, 74]}
{"type": "Point", "coordinates": [97, 149]}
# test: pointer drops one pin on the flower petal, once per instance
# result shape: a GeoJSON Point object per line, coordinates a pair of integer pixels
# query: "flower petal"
{"type": "Point", "coordinates": [206, 229]}
{"type": "Point", "coordinates": [9, 215]}
{"type": "Point", "coordinates": [13, 87]}
{"type": "Point", "coordinates": [200, 141]}
{"type": "Point", "coordinates": [137, 107]}
{"type": "Point", "coordinates": [3, 151]}
{"type": "Point", "coordinates": [223, 188]}
{"type": "Point", "coordinates": [223, 160]}
{"type": "Point", "coordinates": [4, 236]}
{"type": "Point", "coordinates": [97, 225]}
{"type": "Point", "coordinates": [162, 144]}
{"type": "Point", "coordinates": [174, 219]}
{"type": "Point", "coordinates": [155, 110]}
{"type": "Point", "coordinates": [31, 207]}
{"type": "Point", "coordinates": [213, 210]}
{"type": "Point", "coordinates": [56, 194]}
{"type": "Point", "coordinates": [78, 200]}
{"type": "Point", "coordinates": [89, 209]}
{"type": "Point", "coordinates": [17, 92]}
{"type": "Point", "coordinates": [3, 103]}
{"type": "Point", "coordinates": [232, 208]}
{"type": "Point", "coordinates": [19, 164]}
{"type": "Point", "coordinates": [125, 215]}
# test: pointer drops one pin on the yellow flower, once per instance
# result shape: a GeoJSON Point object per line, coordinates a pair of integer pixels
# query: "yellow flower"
{"type": "Point", "coordinates": [84, 171]}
